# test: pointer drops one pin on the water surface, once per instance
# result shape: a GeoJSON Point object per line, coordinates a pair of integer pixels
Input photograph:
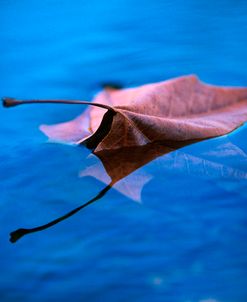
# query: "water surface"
{"type": "Point", "coordinates": [186, 240]}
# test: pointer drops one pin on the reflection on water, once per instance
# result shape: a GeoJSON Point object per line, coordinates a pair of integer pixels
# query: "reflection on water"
{"type": "Point", "coordinates": [186, 241]}
{"type": "Point", "coordinates": [118, 164]}
{"type": "Point", "coordinates": [116, 167]}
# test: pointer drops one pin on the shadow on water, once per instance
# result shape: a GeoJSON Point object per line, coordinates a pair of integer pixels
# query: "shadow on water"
{"type": "Point", "coordinates": [118, 164]}
{"type": "Point", "coordinates": [16, 235]}
{"type": "Point", "coordinates": [113, 167]}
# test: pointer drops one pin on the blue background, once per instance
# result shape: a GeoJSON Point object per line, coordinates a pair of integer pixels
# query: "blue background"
{"type": "Point", "coordinates": [186, 241]}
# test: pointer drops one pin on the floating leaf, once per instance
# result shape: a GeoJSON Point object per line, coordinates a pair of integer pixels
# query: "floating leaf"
{"type": "Point", "coordinates": [177, 110]}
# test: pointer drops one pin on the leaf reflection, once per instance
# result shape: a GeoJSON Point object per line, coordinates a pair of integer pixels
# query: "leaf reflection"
{"type": "Point", "coordinates": [115, 168]}
{"type": "Point", "coordinates": [117, 164]}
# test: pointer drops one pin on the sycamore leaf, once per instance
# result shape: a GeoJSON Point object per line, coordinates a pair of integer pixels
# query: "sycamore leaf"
{"type": "Point", "coordinates": [177, 110]}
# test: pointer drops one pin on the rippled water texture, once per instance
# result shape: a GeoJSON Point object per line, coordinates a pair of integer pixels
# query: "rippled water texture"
{"type": "Point", "coordinates": [184, 240]}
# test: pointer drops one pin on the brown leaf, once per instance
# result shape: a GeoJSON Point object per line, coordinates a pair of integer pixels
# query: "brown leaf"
{"type": "Point", "coordinates": [177, 110]}
{"type": "Point", "coordinates": [151, 120]}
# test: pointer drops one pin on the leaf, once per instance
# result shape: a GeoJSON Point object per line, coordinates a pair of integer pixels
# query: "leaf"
{"type": "Point", "coordinates": [177, 110]}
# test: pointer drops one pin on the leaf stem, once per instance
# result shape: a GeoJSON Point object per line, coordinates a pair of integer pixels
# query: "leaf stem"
{"type": "Point", "coordinates": [11, 102]}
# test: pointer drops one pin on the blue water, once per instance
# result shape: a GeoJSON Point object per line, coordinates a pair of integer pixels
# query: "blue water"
{"type": "Point", "coordinates": [186, 240]}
